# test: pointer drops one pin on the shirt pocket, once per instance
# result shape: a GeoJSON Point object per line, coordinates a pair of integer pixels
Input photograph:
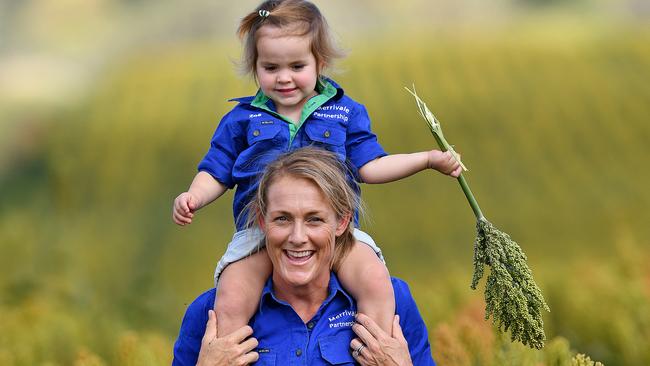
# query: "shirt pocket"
{"type": "Point", "coordinates": [266, 359]}
{"type": "Point", "coordinates": [336, 350]}
{"type": "Point", "coordinates": [259, 131]}
{"type": "Point", "coordinates": [326, 133]}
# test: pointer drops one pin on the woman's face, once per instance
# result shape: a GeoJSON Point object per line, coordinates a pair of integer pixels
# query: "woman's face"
{"type": "Point", "coordinates": [300, 227]}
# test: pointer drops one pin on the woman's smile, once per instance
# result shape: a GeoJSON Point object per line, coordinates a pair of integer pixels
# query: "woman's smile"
{"type": "Point", "coordinates": [301, 228]}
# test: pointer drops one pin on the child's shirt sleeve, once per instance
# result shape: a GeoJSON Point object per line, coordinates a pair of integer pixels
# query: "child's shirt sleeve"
{"type": "Point", "coordinates": [361, 143]}
{"type": "Point", "coordinates": [227, 143]}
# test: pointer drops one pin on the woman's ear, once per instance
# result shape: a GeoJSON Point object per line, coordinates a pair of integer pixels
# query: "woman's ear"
{"type": "Point", "coordinates": [343, 224]}
{"type": "Point", "coordinates": [260, 221]}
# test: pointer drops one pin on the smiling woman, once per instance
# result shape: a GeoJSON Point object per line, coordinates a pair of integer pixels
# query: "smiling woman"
{"type": "Point", "coordinates": [304, 206]}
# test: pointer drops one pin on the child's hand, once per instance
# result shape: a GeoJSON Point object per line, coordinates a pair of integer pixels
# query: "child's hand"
{"type": "Point", "coordinates": [445, 163]}
{"type": "Point", "coordinates": [184, 206]}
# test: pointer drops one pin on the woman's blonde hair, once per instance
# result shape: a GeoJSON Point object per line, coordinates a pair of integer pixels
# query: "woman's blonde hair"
{"type": "Point", "coordinates": [298, 18]}
{"type": "Point", "coordinates": [328, 173]}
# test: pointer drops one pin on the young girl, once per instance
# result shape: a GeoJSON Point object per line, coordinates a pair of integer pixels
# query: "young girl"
{"type": "Point", "coordinates": [287, 46]}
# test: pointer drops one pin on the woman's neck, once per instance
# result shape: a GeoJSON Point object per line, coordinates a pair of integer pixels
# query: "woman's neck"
{"type": "Point", "coordinates": [305, 300]}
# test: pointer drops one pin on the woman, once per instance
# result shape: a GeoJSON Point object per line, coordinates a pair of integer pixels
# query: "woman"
{"type": "Point", "coordinates": [304, 206]}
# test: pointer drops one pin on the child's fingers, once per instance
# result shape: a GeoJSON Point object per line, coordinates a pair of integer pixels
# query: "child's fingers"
{"type": "Point", "coordinates": [191, 204]}
{"type": "Point", "coordinates": [181, 219]}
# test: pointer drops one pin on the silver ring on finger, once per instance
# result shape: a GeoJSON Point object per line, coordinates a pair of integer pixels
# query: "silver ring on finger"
{"type": "Point", "coordinates": [357, 351]}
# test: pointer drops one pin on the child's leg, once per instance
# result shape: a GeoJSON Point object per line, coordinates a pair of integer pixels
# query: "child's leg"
{"type": "Point", "coordinates": [239, 290]}
{"type": "Point", "coordinates": [366, 278]}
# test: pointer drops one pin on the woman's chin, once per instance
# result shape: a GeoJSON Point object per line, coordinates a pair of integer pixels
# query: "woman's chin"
{"type": "Point", "coordinates": [298, 277]}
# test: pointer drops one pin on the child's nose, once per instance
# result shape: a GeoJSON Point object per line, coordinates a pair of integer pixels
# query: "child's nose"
{"type": "Point", "coordinates": [284, 77]}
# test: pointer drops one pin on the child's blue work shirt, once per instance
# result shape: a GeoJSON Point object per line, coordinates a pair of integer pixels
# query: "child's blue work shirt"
{"type": "Point", "coordinates": [253, 134]}
{"type": "Point", "coordinates": [284, 339]}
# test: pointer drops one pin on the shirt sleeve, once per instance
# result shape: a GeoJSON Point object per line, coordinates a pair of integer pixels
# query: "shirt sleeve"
{"type": "Point", "coordinates": [361, 143]}
{"type": "Point", "coordinates": [227, 142]}
{"type": "Point", "coordinates": [415, 331]}
{"type": "Point", "coordinates": [188, 343]}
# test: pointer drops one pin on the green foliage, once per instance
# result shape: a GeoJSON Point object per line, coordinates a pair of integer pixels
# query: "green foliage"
{"type": "Point", "coordinates": [582, 360]}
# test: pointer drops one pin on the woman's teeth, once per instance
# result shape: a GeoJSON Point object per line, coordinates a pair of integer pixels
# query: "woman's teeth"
{"type": "Point", "coordinates": [299, 254]}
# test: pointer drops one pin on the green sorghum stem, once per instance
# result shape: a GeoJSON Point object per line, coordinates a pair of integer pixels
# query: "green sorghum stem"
{"type": "Point", "coordinates": [463, 183]}
{"type": "Point", "coordinates": [470, 198]}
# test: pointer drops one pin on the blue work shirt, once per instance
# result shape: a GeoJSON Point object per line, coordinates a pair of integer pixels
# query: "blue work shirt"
{"type": "Point", "coordinates": [253, 134]}
{"type": "Point", "coordinates": [284, 339]}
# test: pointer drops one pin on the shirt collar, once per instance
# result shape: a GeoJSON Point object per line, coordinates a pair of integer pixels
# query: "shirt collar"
{"type": "Point", "coordinates": [334, 289]}
{"type": "Point", "coordinates": [325, 86]}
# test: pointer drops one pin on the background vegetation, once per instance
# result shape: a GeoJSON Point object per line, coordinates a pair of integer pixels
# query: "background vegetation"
{"type": "Point", "coordinates": [106, 107]}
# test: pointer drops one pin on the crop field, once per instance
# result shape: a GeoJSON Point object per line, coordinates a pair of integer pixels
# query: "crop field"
{"type": "Point", "coordinates": [554, 131]}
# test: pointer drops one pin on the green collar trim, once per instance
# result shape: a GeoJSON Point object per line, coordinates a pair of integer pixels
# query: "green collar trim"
{"type": "Point", "coordinates": [326, 91]}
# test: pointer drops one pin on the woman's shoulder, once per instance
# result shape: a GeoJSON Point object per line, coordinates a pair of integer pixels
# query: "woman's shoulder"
{"type": "Point", "coordinates": [401, 288]}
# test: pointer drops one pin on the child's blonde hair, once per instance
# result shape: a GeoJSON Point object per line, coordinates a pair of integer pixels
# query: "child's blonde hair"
{"type": "Point", "coordinates": [329, 174]}
{"type": "Point", "coordinates": [298, 18]}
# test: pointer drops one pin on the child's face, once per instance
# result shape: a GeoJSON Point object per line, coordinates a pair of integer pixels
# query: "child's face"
{"type": "Point", "coordinates": [286, 69]}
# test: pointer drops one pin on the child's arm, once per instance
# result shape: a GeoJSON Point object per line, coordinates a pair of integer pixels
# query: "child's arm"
{"type": "Point", "coordinates": [390, 168]}
{"type": "Point", "coordinates": [203, 190]}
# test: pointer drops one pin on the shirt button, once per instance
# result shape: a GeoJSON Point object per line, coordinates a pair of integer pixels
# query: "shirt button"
{"type": "Point", "coordinates": [326, 134]}
{"type": "Point", "coordinates": [310, 325]}
{"type": "Point", "coordinates": [256, 133]}
{"type": "Point", "coordinates": [298, 352]}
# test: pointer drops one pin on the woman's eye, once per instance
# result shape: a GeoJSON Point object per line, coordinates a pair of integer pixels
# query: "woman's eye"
{"type": "Point", "coordinates": [314, 219]}
{"type": "Point", "coordinates": [280, 219]}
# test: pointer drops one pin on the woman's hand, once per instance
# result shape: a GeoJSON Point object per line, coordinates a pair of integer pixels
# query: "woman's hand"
{"type": "Point", "coordinates": [376, 347]}
{"type": "Point", "coordinates": [233, 349]}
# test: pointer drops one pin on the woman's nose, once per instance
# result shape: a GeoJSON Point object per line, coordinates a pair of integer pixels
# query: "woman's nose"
{"type": "Point", "coordinates": [298, 234]}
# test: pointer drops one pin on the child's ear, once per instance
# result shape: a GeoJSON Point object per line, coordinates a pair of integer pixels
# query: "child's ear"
{"type": "Point", "coordinates": [343, 224]}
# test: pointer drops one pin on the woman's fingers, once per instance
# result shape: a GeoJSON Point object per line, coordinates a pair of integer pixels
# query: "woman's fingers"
{"type": "Point", "coordinates": [249, 358]}
{"type": "Point", "coordinates": [366, 337]}
{"type": "Point", "coordinates": [248, 345]}
{"type": "Point", "coordinates": [397, 330]}
{"type": "Point", "coordinates": [210, 327]}
{"type": "Point", "coordinates": [359, 353]}
{"type": "Point", "coordinates": [240, 334]}
{"type": "Point", "coordinates": [371, 326]}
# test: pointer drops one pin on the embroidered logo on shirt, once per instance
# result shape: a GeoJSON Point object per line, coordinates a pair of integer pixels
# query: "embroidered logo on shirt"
{"type": "Point", "coordinates": [268, 122]}
{"type": "Point", "coordinates": [263, 350]}
{"type": "Point", "coordinates": [334, 111]}
{"type": "Point", "coordinates": [253, 115]}
{"type": "Point", "coordinates": [336, 321]}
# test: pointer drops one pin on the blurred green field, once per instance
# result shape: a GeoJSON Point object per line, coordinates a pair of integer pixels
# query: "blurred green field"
{"type": "Point", "coordinates": [554, 131]}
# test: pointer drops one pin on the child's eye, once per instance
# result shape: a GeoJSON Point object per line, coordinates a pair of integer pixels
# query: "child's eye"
{"type": "Point", "coordinates": [270, 68]}
{"type": "Point", "coordinates": [298, 67]}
